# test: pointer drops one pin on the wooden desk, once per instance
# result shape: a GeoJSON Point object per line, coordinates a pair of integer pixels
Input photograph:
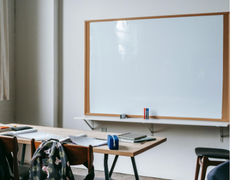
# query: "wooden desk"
{"type": "Point", "coordinates": [125, 149]}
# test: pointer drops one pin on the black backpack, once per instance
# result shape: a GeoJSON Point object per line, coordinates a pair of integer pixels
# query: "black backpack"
{"type": "Point", "coordinates": [50, 162]}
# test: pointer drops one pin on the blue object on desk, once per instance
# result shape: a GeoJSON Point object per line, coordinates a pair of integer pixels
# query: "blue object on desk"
{"type": "Point", "coordinates": [113, 142]}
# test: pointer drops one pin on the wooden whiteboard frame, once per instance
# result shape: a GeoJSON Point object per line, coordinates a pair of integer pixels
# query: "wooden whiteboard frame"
{"type": "Point", "coordinates": [226, 74]}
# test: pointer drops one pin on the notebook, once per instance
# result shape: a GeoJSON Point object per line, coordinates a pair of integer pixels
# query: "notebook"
{"type": "Point", "coordinates": [131, 136]}
{"type": "Point", "coordinates": [138, 140]}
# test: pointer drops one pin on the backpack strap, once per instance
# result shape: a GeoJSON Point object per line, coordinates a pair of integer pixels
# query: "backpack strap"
{"type": "Point", "coordinates": [51, 139]}
{"type": "Point", "coordinates": [90, 175]}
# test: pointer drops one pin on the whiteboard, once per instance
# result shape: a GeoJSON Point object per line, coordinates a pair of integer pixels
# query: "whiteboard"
{"type": "Point", "coordinates": [173, 66]}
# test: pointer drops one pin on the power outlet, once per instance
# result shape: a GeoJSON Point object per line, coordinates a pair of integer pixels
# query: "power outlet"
{"type": "Point", "coordinates": [104, 129]}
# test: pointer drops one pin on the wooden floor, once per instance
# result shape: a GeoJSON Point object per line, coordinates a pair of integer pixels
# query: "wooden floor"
{"type": "Point", "coordinates": [115, 176]}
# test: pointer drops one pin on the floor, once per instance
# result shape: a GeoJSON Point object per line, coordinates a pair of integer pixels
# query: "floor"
{"type": "Point", "coordinates": [115, 176]}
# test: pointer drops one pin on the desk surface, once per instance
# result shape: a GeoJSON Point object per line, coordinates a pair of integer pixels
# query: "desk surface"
{"type": "Point", "coordinates": [156, 121]}
{"type": "Point", "coordinates": [125, 149]}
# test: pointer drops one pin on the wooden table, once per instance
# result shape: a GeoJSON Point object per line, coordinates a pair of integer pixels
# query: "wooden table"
{"type": "Point", "coordinates": [125, 149]}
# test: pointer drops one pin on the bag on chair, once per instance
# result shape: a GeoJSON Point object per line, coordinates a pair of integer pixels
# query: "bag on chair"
{"type": "Point", "coordinates": [50, 162]}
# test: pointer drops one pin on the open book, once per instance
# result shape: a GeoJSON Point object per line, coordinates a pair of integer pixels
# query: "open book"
{"type": "Point", "coordinates": [16, 133]}
{"type": "Point", "coordinates": [39, 136]}
{"type": "Point", "coordinates": [32, 134]}
{"type": "Point", "coordinates": [83, 140]}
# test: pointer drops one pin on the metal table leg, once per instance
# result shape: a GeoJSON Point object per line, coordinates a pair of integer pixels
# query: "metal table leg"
{"type": "Point", "coordinates": [106, 166]}
{"type": "Point", "coordinates": [23, 154]}
{"type": "Point", "coordinates": [109, 174]}
{"type": "Point", "coordinates": [113, 165]}
{"type": "Point", "coordinates": [135, 168]}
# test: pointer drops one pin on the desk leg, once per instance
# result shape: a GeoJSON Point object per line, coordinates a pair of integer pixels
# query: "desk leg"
{"type": "Point", "coordinates": [106, 166]}
{"type": "Point", "coordinates": [112, 168]}
{"type": "Point", "coordinates": [135, 168]}
{"type": "Point", "coordinates": [23, 154]}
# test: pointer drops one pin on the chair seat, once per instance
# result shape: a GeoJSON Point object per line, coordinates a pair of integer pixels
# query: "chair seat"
{"type": "Point", "coordinates": [212, 152]}
{"type": "Point", "coordinates": [220, 172]}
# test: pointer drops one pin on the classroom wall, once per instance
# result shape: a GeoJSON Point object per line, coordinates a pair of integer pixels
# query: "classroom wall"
{"type": "Point", "coordinates": [7, 107]}
{"type": "Point", "coordinates": [174, 159]}
{"type": "Point", "coordinates": [36, 57]}
{"type": "Point", "coordinates": [35, 74]}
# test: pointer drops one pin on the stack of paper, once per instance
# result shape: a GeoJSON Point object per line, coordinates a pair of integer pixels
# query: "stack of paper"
{"type": "Point", "coordinates": [4, 127]}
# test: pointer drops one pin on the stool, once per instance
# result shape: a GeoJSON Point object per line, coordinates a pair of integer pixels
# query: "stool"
{"type": "Point", "coordinates": [206, 153]}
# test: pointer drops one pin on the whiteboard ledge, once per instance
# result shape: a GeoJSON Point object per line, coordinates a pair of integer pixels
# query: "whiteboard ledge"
{"type": "Point", "coordinates": [155, 121]}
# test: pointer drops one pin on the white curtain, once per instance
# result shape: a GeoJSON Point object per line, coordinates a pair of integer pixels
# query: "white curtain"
{"type": "Point", "coordinates": [4, 51]}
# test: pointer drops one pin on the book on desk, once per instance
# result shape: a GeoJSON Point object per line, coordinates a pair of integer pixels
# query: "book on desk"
{"type": "Point", "coordinates": [131, 136]}
{"type": "Point", "coordinates": [31, 133]}
{"type": "Point", "coordinates": [134, 137]}
{"type": "Point", "coordinates": [4, 127]}
{"type": "Point", "coordinates": [147, 138]}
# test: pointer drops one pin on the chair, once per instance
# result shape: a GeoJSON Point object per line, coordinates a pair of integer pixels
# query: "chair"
{"type": "Point", "coordinates": [77, 155]}
{"type": "Point", "coordinates": [205, 154]}
{"type": "Point", "coordinates": [220, 172]}
{"type": "Point", "coordinates": [11, 149]}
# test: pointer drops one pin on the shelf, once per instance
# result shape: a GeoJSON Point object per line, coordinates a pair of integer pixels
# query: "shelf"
{"type": "Point", "coordinates": [155, 121]}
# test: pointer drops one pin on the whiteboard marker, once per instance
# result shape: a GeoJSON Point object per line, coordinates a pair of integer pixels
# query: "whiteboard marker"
{"type": "Point", "coordinates": [147, 113]}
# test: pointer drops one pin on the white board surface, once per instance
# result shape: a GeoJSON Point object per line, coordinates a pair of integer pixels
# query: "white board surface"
{"type": "Point", "coordinates": [173, 66]}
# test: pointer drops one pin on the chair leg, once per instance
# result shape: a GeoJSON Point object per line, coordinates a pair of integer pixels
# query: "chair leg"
{"type": "Point", "coordinates": [205, 164]}
{"type": "Point", "coordinates": [197, 167]}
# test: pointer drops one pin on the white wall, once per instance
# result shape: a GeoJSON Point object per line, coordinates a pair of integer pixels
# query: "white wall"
{"type": "Point", "coordinates": [35, 62]}
{"type": "Point", "coordinates": [35, 85]}
{"type": "Point", "coordinates": [174, 159]}
{"type": "Point", "coordinates": [7, 107]}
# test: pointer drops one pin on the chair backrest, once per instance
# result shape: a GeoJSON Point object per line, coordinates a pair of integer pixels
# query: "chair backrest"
{"type": "Point", "coordinates": [10, 145]}
{"type": "Point", "coordinates": [77, 155]}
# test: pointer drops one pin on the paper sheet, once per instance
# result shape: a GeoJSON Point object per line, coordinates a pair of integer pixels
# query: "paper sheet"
{"type": "Point", "coordinates": [86, 141]}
